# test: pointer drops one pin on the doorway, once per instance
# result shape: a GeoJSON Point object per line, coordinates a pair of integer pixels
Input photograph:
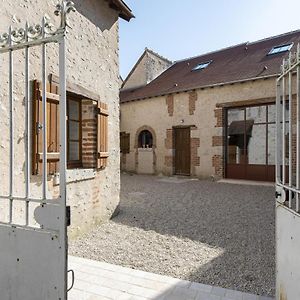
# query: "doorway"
{"type": "Point", "coordinates": [250, 148]}
{"type": "Point", "coordinates": [182, 143]}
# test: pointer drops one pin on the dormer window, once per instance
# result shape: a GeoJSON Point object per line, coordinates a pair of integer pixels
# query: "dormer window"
{"type": "Point", "coordinates": [280, 49]}
{"type": "Point", "coordinates": [202, 66]}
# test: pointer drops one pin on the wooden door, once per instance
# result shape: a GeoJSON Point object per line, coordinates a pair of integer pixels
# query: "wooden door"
{"type": "Point", "coordinates": [182, 140]}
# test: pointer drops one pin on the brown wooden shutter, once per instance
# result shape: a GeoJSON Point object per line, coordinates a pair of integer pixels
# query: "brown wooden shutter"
{"type": "Point", "coordinates": [52, 128]}
{"type": "Point", "coordinates": [125, 142]}
{"type": "Point", "coordinates": [102, 135]}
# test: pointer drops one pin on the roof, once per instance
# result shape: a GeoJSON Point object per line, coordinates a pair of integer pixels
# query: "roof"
{"type": "Point", "coordinates": [147, 50]}
{"type": "Point", "coordinates": [246, 61]}
{"type": "Point", "coordinates": [124, 11]}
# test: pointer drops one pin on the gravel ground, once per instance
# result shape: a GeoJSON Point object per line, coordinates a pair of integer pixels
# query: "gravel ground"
{"type": "Point", "coordinates": [214, 233]}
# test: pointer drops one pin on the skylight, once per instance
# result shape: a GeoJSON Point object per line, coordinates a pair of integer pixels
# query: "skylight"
{"type": "Point", "coordinates": [280, 49]}
{"type": "Point", "coordinates": [202, 66]}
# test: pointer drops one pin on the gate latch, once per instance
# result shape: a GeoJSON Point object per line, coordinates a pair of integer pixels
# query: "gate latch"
{"type": "Point", "coordinates": [280, 194]}
{"type": "Point", "coordinates": [39, 127]}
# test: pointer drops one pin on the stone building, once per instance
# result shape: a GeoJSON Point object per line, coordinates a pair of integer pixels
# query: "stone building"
{"type": "Point", "coordinates": [149, 66]}
{"type": "Point", "coordinates": [208, 116]}
{"type": "Point", "coordinates": [93, 182]}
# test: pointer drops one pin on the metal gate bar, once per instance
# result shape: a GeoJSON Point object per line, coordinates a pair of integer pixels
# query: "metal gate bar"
{"type": "Point", "coordinates": [27, 128]}
{"type": "Point", "coordinates": [288, 188]}
{"type": "Point", "coordinates": [298, 131]}
{"type": "Point", "coordinates": [24, 39]}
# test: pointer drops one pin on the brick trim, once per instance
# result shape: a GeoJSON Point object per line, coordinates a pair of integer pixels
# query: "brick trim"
{"type": "Point", "coordinates": [89, 134]}
{"type": "Point", "coordinates": [217, 163]}
{"type": "Point", "coordinates": [217, 141]}
{"type": "Point", "coordinates": [219, 115]}
{"type": "Point", "coordinates": [170, 104]}
{"type": "Point", "coordinates": [195, 159]}
{"type": "Point", "coordinates": [193, 97]}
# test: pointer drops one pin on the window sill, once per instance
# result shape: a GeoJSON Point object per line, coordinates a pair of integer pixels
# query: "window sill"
{"type": "Point", "coordinates": [145, 149]}
{"type": "Point", "coordinates": [76, 175]}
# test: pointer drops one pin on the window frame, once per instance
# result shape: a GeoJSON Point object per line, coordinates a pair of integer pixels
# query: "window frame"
{"type": "Point", "coordinates": [124, 135]}
{"type": "Point", "coordinates": [140, 139]}
{"type": "Point", "coordinates": [201, 66]}
{"type": "Point", "coordinates": [72, 164]}
{"type": "Point", "coordinates": [287, 47]}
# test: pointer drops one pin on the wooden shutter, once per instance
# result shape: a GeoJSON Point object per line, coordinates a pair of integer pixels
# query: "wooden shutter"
{"type": "Point", "coordinates": [52, 128]}
{"type": "Point", "coordinates": [125, 142]}
{"type": "Point", "coordinates": [102, 135]}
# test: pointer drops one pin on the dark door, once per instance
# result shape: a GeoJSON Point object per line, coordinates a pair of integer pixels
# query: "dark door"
{"type": "Point", "coordinates": [182, 151]}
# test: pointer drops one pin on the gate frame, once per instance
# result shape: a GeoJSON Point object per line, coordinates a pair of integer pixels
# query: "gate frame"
{"type": "Point", "coordinates": [287, 185]}
{"type": "Point", "coordinates": [23, 39]}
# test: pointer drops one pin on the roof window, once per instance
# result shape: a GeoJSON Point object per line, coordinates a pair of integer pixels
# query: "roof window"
{"type": "Point", "coordinates": [202, 66]}
{"type": "Point", "coordinates": [280, 49]}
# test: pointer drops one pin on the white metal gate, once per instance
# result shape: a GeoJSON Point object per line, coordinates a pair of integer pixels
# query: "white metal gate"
{"type": "Point", "coordinates": [288, 179]}
{"type": "Point", "coordinates": [33, 235]}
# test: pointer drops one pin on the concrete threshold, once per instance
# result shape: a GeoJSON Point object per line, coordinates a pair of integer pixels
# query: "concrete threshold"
{"type": "Point", "coordinates": [96, 280]}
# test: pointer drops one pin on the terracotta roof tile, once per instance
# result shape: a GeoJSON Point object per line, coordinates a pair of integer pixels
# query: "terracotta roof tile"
{"type": "Point", "coordinates": [238, 63]}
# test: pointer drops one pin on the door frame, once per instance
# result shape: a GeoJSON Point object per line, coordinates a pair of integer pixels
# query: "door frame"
{"type": "Point", "coordinates": [267, 168]}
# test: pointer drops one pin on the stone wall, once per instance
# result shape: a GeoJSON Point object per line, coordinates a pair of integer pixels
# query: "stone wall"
{"type": "Point", "coordinates": [92, 63]}
{"type": "Point", "coordinates": [147, 69]}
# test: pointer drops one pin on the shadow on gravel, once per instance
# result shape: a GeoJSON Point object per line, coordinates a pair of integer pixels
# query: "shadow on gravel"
{"type": "Point", "coordinates": [239, 219]}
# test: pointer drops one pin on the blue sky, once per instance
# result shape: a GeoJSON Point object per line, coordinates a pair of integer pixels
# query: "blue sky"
{"type": "Point", "coordinates": [179, 29]}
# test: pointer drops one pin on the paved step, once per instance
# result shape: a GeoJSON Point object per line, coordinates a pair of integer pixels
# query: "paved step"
{"type": "Point", "coordinates": [96, 280]}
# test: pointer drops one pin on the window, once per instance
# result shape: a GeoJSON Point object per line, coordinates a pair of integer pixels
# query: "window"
{"type": "Point", "coordinates": [280, 49]}
{"type": "Point", "coordinates": [145, 139]}
{"type": "Point", "coordinates": [74, 130]}
{"type": "Point", "coordinates": [124, 142]}
{"type": "Point", "coordinates": [202, 66]}
{"type": "Point", "coordinates": [87, 131]}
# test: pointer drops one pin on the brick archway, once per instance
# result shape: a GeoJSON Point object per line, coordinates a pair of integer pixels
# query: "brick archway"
{"type": "Point", "coordinates": [136, 143]}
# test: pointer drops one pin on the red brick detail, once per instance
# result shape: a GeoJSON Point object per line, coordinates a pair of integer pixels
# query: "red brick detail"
{"type": "Point", "coordinates": [195, 159]}
{"type": "Point", "coordinates": [219, 115]}
{"type": "Point", "coordinates": [169, 145]}
{"type": "Point", "coordinates": [170, 104]}
{"type": "Point", "coordinates": [217, 163]}
{"type": "Point", "coordinates": [193, 97]}
{"type": "Point", "coordinates": [89, 134]}
{"type": "Point", "coordinates": [169, 161]}
{"type": "Point", "coordinates": [217, 141]}
{"type": "Point", "coordinates": [169, 139]}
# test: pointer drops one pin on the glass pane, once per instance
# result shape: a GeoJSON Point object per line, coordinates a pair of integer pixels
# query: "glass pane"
{"type": "Point", "coordinates": [73, 109]}
{"type": "Point", "coordinates": [271, 144]}
{"type": "Point", "coordinates": [74, 151]}
{"type": "Point", "coordinates": [73, 130]}
{"type": "Point", "coordinates": [257, 145]}
{"type": "Point", "coordinates": [271, 113]}
{"type": "Point", "coordinates": [235, 139]}
{"type": "Point", "coordinates": [235, 115]}
{"type": "Point", "coordinates": [256, 113]}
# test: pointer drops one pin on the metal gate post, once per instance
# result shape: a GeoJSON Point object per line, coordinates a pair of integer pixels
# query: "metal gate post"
{"type": "Point", "coordinates": [63, 161]}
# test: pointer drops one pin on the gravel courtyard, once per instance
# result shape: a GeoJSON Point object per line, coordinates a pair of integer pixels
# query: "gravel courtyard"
{"type": "Point", "coordinates": [214, 233]}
